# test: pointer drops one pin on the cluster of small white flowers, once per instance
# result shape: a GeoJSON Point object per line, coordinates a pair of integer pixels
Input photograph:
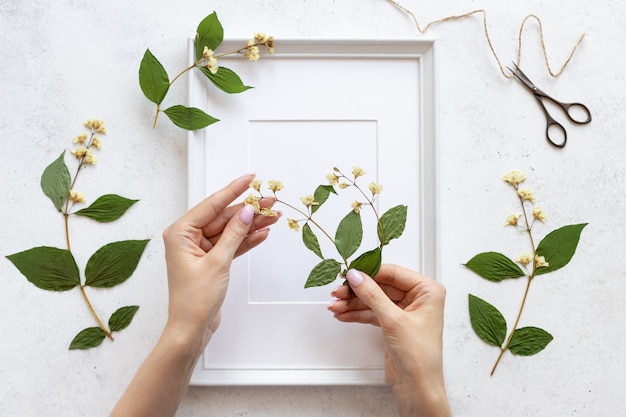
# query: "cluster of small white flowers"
{"type": "Point", "coordinates": [210, 59]}
{"type": "Point", "coordinates": [267, 41]}
{"type": "Point", "coordinates": [309, 200]}
{"type": "Point", "coordinates": [515, 178]}
{"type": "Point", "coordinates": [253, 53]}
{"type": "Point", "coordinates": [76, 197]}
{"type": "Point", "coordinates": [96, 125]}
{"type": "Point", "coordinates": [87, 141]}
{"type": "Point", "coordinates": [84, 142]}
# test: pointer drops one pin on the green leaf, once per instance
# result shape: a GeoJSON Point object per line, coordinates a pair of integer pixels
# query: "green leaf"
{"type": "Point", "coordinates": [226, 80]}
{"type": "Point", "coordinates": [494, 266]}
{"type": "Point", "coordinates": [320, 196]}
{"type": "Point", "coordinates": [323, 273]}
{"type": "Point", "coordinates": [487, 321]}
{"type": "Point", "coordinates": [114, 263]}
{"type": "Point", "coordinates": [88, 338]}
{"type": "Point", "coordinates": [310, 240]}
{"type": "Point", "coordinates": [210, 33]}
{"type": "Point", "coordinates": [529, 340]}
{"type": "Point", "coordinates": [122, 318]}
{"type": "Point", "coordinates": [349, 234]}
{"type": "Point", "coordinates": [107, 208]}
{"type": "Point", "coordinates": [558, 247]}
{"type": "Point", "coordinates": [369, 262]}
{"type": "Point", "coordinates": [189, 118]}
{"type": "Point", "coordinates": [56, 181]}
{"type": "Point", "coordinates": [153, 78]}
{"type": "Point", "coordinates": [48, 268]}
{"type": "Point", "coordinates": [393, 222]}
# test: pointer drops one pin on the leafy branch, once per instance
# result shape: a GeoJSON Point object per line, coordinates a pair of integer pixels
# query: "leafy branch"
{"type": "Point", "coordinates": [155, 83]}
{"type": "Point", "coordinates": [553, 252]}
{"type": "Point", "coordinates": [348, 236]}
{"type": "Point", "coordinates": [55, 269]}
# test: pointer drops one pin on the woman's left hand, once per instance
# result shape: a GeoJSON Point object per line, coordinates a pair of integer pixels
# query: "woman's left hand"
{"type": "Point", "coordinates": [199, 249]}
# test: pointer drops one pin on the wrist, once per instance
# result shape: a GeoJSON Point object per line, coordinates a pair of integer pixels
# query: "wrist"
{"type": "Point", "coordinates": [422, 400]}
{"type": "Point", "coordinates": [186, 341]}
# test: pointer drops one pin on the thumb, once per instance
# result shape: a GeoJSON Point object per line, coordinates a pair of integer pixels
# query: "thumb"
{"type": "Point", "coordinates": [370, 293]}
{"type": "Point", "coordinates": [234, 233]}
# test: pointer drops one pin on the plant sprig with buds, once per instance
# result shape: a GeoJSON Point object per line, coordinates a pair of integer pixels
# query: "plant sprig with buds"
{"type": "Point", "coordinates": [155, 83]}
{"type": "Point", "coordinates": [553, 252]}
{"type": "Point", "coordinates": [55, 269]}
{"type": "Point", "coordinates": [349, 234]}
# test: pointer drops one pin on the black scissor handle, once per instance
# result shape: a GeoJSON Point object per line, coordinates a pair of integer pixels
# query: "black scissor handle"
{"type": "Point", "coordinates": [555, 132]}
{"type": "Point", "coordinates": [577, 112]}
{"type": "Point", "coordinates": [553, 127]}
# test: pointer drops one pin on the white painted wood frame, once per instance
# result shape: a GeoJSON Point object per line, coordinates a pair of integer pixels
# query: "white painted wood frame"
{"type": "Point", "coordinates": [317, 104]}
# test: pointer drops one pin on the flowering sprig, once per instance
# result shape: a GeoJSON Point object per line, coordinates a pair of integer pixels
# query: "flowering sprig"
{"type": "Point", "coordinates": [552, 253]}
{"type": "Point", "coordinates": [349, 233]}
{"type": "Point", "coordinates": [55, 269]}
{"type": "Point", "coordinates": [155, 83]}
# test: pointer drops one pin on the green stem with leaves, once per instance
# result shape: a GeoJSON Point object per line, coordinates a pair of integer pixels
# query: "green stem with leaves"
{"type": "Point", "coordinates": [519, 315]}
{"type": "Point", "coordinates": [66, 216]}
{"type": "Point", "coordinates": [528, 229]}
{"type": "Point", "coordinates": [199, 63]}
{"type": "Point", "coordinates": [371, 204]}
{"type": "Point", "coordinates": [309, 218]}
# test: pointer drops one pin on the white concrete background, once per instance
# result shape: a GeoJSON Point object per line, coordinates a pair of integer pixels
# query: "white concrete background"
{"type": "Point", "coordinates": [64, 62]}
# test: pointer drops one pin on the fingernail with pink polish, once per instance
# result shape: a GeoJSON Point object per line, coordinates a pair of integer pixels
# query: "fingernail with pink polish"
{"type": "Point", "coordinates": [354, 277]}
{"type": "Point", "coordinates": [246, 214]}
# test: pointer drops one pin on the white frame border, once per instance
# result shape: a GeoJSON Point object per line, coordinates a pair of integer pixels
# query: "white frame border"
{"type": "Point", "coordinates": [424, 50]}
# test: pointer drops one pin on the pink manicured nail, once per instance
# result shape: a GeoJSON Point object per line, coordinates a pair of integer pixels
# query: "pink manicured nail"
{"type": "Point", "coordinates": [354, 277]}
{"type": "Point", "coordinates": [246, 214]}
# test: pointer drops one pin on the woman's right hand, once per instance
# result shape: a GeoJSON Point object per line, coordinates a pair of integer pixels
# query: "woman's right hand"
{"type": "Point", "coordinates": [409, 309]}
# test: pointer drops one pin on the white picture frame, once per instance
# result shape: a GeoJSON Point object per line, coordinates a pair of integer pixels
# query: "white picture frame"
{"type": "Point", "coordinates": [316, 104]}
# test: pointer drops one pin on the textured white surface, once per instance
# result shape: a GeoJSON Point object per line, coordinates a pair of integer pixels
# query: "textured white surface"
{"type": "Point", "coordinates": [64, 64]}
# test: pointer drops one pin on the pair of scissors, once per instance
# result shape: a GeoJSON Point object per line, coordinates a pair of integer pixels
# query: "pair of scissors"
{"type": "Point", "coordinates": [576, 112]}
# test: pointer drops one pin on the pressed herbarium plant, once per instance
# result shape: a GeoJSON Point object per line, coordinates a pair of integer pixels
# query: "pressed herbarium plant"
{"type": "Point", "coordinates": [55, 269]}
{"type": "Point", "coordinates": [349, 234]}
{"type": "Point", "coordinates": [155, 83]}
{"type": "Point", "coordinates": [553, 252]}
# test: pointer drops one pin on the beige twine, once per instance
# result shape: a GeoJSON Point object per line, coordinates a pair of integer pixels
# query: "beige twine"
{"type": "Point", "coordinates": [519, 46]}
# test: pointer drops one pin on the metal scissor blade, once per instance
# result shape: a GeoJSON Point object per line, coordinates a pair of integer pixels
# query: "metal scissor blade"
{"type": "Point", "coordinates": [519, 74]}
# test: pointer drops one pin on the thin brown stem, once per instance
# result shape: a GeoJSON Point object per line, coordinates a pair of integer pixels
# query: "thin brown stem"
{"type": "Point", "coordinates": [371, 204]}
{"type": "Point", "coordinates": [309, 218]}
{"type": "Point", "coordinates": [528, 230]}
{"type": "Point", "coordinates": [185, 70]}
{"type": "Point", "coordinates": [66, 216]}
{"type": "Point", "coordinates": [519, 315]}
{"type": "Point", "coordinates": [95, 315]}
{"type": "Point", "coordinates": [67, 231]}
{"type": "Point", "coordinates": [156, 116]}
{"type": "Point", "coordinates": [197, 63]}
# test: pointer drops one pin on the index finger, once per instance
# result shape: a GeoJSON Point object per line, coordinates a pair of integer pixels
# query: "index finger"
{"type": "Point", "coordinates": [398, 277]}
{"type": "Point", "coordinates": [209, 208]}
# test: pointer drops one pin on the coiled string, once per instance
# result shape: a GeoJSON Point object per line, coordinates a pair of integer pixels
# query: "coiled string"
{"type": "Point", "coordinates": [486, 31]}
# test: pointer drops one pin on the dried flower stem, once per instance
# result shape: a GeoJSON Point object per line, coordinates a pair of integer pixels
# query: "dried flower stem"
{"type": "Point", "coordinates": [531, 275]}
{"type": "Point", "coordinates": [199, 63]}
{"type": "Point", "coordinates": [93, 311]}
{"type": "Point", "coordinates": [309, 215]}
{"type": "Point", "coordinates": [66, 216]}
{"type": "Point", "coordinates": [371, 204]}
{"type": "Point", "coordinates": [309, 218]}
